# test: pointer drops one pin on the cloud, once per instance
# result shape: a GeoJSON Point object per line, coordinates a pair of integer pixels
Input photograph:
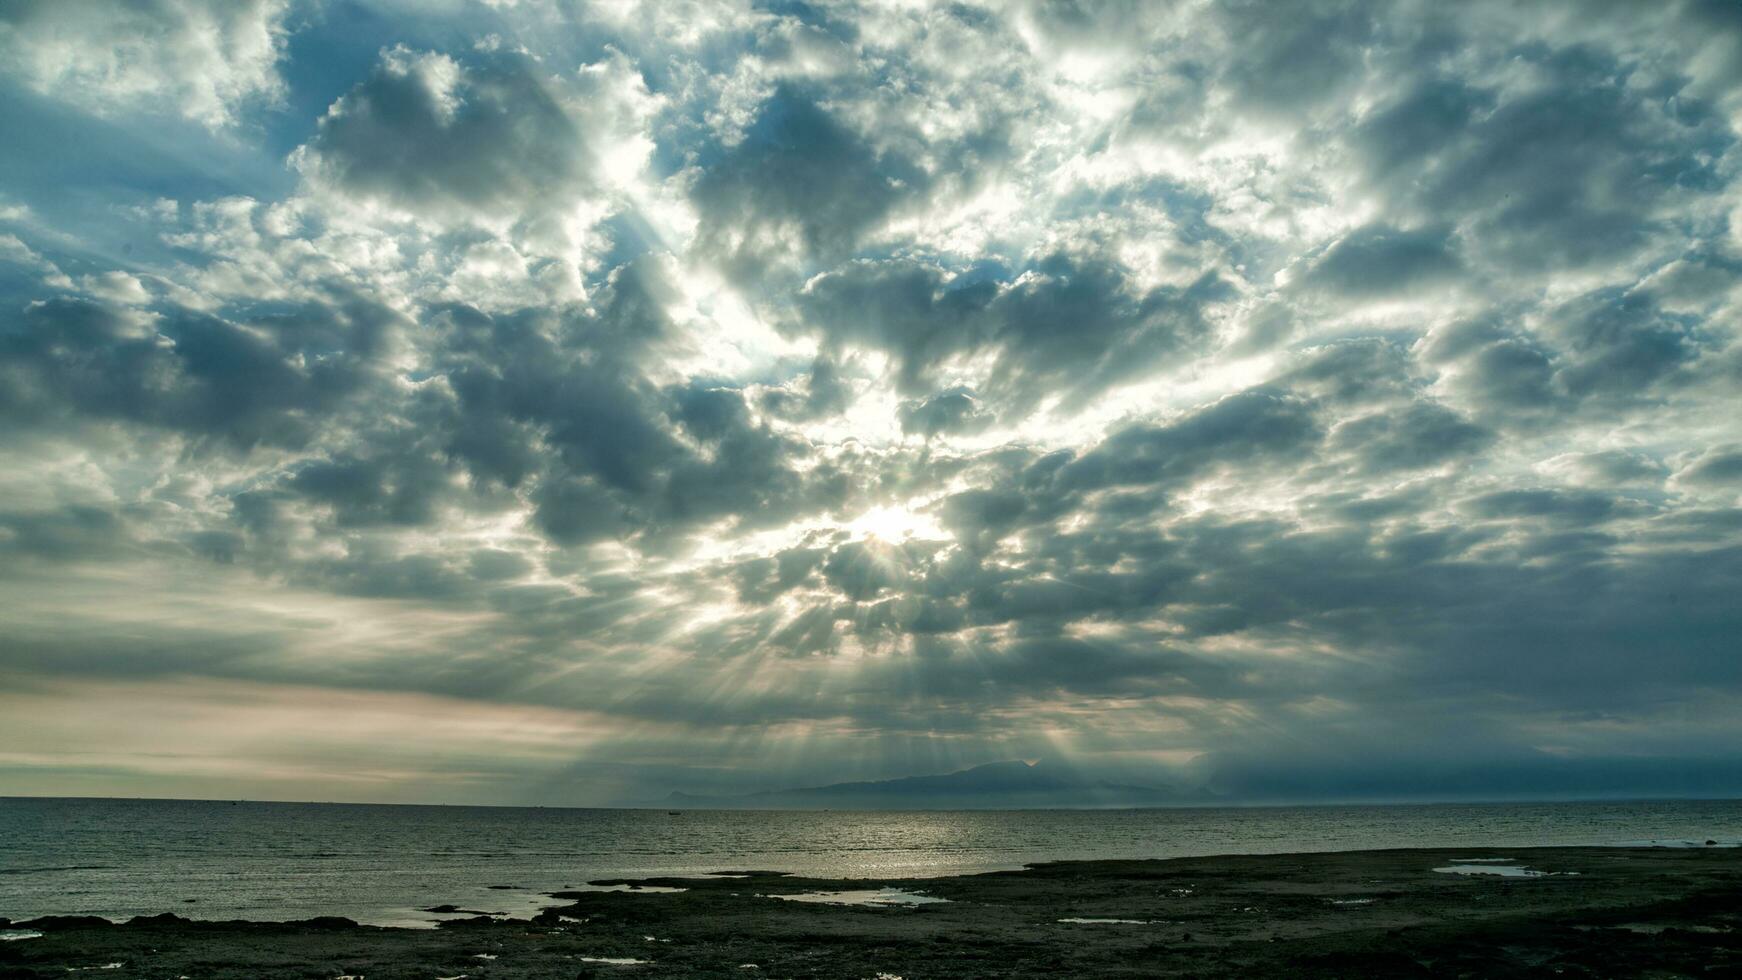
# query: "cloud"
{"type": "Point", "coordinates": [793, 392]}
{"type": "Point", "coordinates": [19, 255]}
{"type": "Point", "coordinates": [1574, 166]}
{"type": "Point", "coordinates": [1381, 261]}
{"type": "Point", "coordinates": [427, 134]}
{"type": "Point", "coordinates": [798, 185]}
{"type": "Point", "coordinates": [954, 410]}
{"type": "Point", "coordinates": [187, 371]}
{"type": "Point", "coordinates": [1621, 345]}
{"type": "Point", "coordinates": [1424, 434]}
{"type": "Point", "coordinates": [205, 60]}
{"type": "Point", "coordinates": [1718, 468]}
{"type": "Point", "coordinates": [1293, 64]}
{"type": "Point", "coordinates": [1069, 327]}
{"type": "Point", "coordinates": [1252, 424]}
{"type": "Point", "coordinates": [1610, 467]}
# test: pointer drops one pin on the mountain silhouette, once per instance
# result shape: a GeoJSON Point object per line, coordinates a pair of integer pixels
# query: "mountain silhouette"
{"type": "Point", "coordinates": [998, 785]}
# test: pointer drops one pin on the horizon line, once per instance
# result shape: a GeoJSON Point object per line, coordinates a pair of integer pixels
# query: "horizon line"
{"type": "Point", "coordinates": [654, 807]}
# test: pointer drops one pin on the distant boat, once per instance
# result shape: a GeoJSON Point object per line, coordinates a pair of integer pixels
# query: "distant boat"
{"type": "Point", "coordinates": [674, 813]}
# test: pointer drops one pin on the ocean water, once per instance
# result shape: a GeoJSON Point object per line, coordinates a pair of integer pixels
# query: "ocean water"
{"type": "Point", "coordinates": [379, 864]}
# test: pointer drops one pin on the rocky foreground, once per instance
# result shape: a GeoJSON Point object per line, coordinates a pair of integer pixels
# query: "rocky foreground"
{"type": "Point", "coordinates": [1540, 912]}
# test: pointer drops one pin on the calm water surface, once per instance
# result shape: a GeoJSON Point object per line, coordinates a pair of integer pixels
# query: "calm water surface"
{"type": "Point", "coordinates": [380, 863]}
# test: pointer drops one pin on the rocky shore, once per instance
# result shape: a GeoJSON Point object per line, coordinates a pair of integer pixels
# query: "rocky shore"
{"type": "Point", "coordinates": [1568, 912]}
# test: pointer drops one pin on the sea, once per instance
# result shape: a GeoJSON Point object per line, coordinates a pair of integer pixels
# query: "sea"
{"type": "Point", "coordinates": [381, 864]}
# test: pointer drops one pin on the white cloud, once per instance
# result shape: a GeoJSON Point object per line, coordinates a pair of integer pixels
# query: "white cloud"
{"type": "Point", "coordinates": [202, 59]}
{"type": "Point", "coordinates": [13, 251]}
{"type": "Point", "coordinates": [116, 287]}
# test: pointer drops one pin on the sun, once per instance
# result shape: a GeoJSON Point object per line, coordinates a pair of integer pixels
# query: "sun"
{"type": "Point", "coordinates": [895, 523]}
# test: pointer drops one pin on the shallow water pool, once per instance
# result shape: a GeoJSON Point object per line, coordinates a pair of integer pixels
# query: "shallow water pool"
{"type": "Point", "coordinates": [875, 897]}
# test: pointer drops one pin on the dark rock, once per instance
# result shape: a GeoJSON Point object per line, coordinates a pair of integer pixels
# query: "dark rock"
{"type": "Point", "coordinates": [160, 919]}
{"type": "Point", "coordinates": [477, 921]}
{"type": "Point", "coordinates": [1436, 927]}
{"type": "Point", "coordinates": [324, 922]}
{"type": "Point", "coordinates": [1376, 963]}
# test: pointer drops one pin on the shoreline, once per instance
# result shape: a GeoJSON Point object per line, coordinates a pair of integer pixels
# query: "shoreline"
{"type": "Point", "coordinates": [543, 899]}
{"type": "Point", "coordinates": [1397, 912]}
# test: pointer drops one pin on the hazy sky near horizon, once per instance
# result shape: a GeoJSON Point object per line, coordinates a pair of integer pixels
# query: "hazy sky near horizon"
{"type": "Point", "coordinates": [535, 401]}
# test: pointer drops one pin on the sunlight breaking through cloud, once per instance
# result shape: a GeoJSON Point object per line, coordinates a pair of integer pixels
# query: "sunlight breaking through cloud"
{"type": "Point", "coordinates": [1217, 396]}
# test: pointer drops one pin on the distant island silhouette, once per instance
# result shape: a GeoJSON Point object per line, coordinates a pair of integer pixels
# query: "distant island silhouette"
{"type": "Point", "coordinates": [1015, 784]}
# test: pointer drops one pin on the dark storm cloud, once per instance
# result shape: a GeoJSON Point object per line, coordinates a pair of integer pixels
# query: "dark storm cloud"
{"type": "Point", "coordinates": [1070, 326]}
{"type": "Point", "coordinates": [1355, 372]}
{"type": "Point", "coordinates": [1581, 508]}
{"type": "Point", "coordinates": [799, 177]}
{"type": "Point", "coordinates": [424, 132]}
{"type": "Point", "coordinates": [981, 518]}
{"type": "Point", "coordinates": [761, 579]}
{"type": "Point", "coordinates": [1382, 261]}
{"type": "Point", "coordinates": [553, 404]}
{"type": "Point", "coordinates": [1607, 348]}
{"type": "Point", "coordinates": [955, 410]}
{"type": "Point", "coordinates": [1269, 581]}
{"type": "Point", "coordinates": [1250, 425]}
{"type": "Point", "coordinates": [823, 394]}
{"type": "Point", "coordinates": [1424, 434]}
{"type": "Point", "coordinates": [1288, 62]}
{"type": "Point", "coordinates": [1286, 772]}
{"type": "Point", "coordinates": [1401, 137]}
{"type": "Point", "coordinates": [1576, 169]}
{"type": "Point", "coordinates": [392, 490]}
{"type": "Point", "coordinates": [1495, 368]}
{"type": "Point", "coordinates": [1414, 590]}
{"type": "Point", "coordinates": [68, 534]}
{"type": "Point", "coordinates": [1621, 345]}
{"type": "Point", "coordinates": [1720, 466]}
{"type": "Point", "coordinates": [1612, 467]}
{"type": "Point", "coordinates": [264, 381]}
{"type": "Point", "coordinates": [861, 570]}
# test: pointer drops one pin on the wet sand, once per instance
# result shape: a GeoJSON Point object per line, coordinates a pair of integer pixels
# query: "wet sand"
{"type": "Point", "coordinates": [1591, 912]}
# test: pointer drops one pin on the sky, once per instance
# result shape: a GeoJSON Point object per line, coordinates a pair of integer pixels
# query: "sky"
{"type": "Point", "coordinates": [548, 402]}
